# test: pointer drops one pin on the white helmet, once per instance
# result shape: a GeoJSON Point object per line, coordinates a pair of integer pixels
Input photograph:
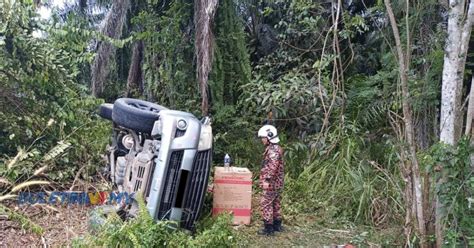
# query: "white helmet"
{"type": "Point", "coordinates": [270, 132]}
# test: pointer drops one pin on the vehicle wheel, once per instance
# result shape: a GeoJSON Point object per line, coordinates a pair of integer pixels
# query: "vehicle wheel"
{"type": "Point", "coordinates": [105, 110]}
{"type": "Point", "coordinates": [136, 114]}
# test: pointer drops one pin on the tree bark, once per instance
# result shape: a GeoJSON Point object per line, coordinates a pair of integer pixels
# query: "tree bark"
{"type": "Point", "coordinates": [457, 41]}
{"type": "Point", "coordinates": [135, 75]}
{"type": "Point", "coordinates": [204, 11]}
{"type": "Point", "coordinates": [409, 129]}
{"type": "Point", "coordinates": [112, 28]}
{"type": "Point", "coordinates": [459, 30]}
{"type": "Point", "coordinates": [469, 116]}
{"type": "Point", "coordinates": [470, 110]}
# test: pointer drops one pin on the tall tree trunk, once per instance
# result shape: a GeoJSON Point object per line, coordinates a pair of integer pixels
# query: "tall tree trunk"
{"type": "Point", "coordinates": [470, 110]}
{"type": "Point", "coordinates": [469, 116]}
{"type": "Point", "coordinates": [460, 20]}
{"type": "Point", "coordinates": [460, 23]}
{"type": "Point", "coordinates": [204, 11]}
{"type": "Point", "coordinates": [112, 27]}
{"type": "Point", "coordinates": [409, 129]}
{"type": "Point", "coordinates": [135, 75]}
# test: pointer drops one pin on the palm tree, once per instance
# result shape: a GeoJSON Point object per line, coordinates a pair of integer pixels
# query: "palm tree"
{"type": "Point", "coordinates": [112, 27]}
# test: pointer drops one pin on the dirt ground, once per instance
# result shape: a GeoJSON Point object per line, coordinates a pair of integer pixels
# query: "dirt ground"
{"type": "Point", "coordinates": [61, 224]}
{"type": "Point", "coordinates": [306, 232]}
{"type": "Point", "coordinates": [314, 230]}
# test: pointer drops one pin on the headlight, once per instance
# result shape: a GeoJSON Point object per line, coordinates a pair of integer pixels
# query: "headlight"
{"type": "Point", "coordinates": [182, 124]}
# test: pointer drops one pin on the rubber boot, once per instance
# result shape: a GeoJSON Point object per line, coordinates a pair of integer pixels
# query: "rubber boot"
{"type": "Point", "coordinates": [267, 229]}
{"type": "Point", "coordinates": [277, 226]}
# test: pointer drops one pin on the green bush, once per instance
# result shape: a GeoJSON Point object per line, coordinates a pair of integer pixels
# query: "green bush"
{"type": "Point", "coordinates": [453, 164]}
{"type": "Point", "coordinates": [358, 184]}
{"type": "Point", "coordinates": [41, 100]}
{"type": "Point", "coordinates": [143, 231]}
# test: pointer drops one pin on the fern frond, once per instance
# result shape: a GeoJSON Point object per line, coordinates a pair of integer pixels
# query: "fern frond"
{"type": "Point", "coordinates": [56, 151]}
{"type": "Point", "coordinates": [374, 113]}
{"type": "Point", "coordinates": [134, 239]}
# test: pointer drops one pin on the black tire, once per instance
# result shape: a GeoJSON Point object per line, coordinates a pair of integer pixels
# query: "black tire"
{"type": "Point", "coordinates": [136, 114]}
{"type": "Point", "coordinates": [105, 110]}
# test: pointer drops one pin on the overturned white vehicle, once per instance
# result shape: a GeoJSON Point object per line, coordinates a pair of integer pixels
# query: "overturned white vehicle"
{"type": "Point", "coordinates": [162, 154]}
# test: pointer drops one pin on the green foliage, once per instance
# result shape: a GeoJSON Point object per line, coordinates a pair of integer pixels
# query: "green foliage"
{"type": "Point", "coordinates": [353, 25]}
{"type": "Point", "coordinates": [270, 56]}
{"type": "Point", "coordinates": [41, 101]}
{"type": "Point", "coordinates": [359, 182]}
{"type": "Point", "coordinates": [353, 164]}
{"type": "Point", "coordinates": [231, 66]}
{"type": "Point", "coordinates": [235, 134]}
{"type": "Point", "coordinates": [371, 97]}
{"type": "Point", "coordinates": [293, 81]}
{"type": "Point", "coordinates": [215, 232]}
{"type": "Point", "coordinates": [456, 190]}
{"type": "Point", "coordinates": [293, 97]}
{"type": "Point", "coordinates": [170, 77]}
{"type": "Point", "coordinates": [234, 128]}
{"type": "Point", "coordinates": [74, 36]}
{"type": "Point", "coordinates": [143, 231]}
{"type": "Point", "coordinates": [168, 71]}
{"type": "Point", "coordinates": [29, 163]}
